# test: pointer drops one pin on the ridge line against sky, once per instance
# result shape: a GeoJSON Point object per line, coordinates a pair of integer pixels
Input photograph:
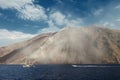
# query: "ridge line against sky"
{"type": "Point", "coordinates": [23, 19]}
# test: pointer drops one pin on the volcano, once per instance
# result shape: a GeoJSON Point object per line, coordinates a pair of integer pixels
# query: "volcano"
{"type": "Point", "coordinates": [70, 45]}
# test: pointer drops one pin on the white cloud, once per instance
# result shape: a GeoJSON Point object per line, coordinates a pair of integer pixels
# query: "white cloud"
{"type": "Point", "coordinates": [105, 23]}
{"type": "Point", "coordinates": [110, 17]}
{"type": "Point", "coordinates": [117, 7]}
{"type": "Point", "coordinates": [56, 20]}
{"type": "Point", "coordinates": [26, 9]}
{"type": "Point", "coordinates": [108, 24]}
{"type": "Point", "coordinates": [15, 4]}
{"type": "Point", "coordinates": [59, 19]}
{"type": "Point", "coordinates": [48, 29]}
{"type": "Point", "coordinates": [9, 37]}
{"type": "Point", "coordinates": [51, 27]}
{"type": "Point", "coordinates": [74, 22]}
{"type": "Point", "coordinates": [32, 12]}
{"type": "Point", "coordinates": [98, 12]}
{"type": "Point", "coordinates": [118, 19]}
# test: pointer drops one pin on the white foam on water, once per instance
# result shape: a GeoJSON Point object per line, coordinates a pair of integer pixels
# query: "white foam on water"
{"type": "Point", "coordinates": [94, 66]}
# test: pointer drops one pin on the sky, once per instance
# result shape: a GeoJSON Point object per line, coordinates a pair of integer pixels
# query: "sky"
{"type": "Point", "coordinates": [23, 19]}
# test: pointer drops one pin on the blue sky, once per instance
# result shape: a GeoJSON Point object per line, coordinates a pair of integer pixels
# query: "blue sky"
{"type": "Point", "coordinates": [23, 19]}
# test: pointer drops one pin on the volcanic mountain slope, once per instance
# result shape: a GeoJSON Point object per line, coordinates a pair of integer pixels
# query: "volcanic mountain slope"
{"type": "Point", "coordinates": [71, 45]}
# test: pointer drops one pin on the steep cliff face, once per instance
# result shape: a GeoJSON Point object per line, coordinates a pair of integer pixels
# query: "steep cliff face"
{"type": "Point", "coordinates": [70, 45]}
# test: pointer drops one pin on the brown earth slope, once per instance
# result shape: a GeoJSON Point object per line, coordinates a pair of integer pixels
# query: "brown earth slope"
{"type": "Point", "coordinates": [71, 45]}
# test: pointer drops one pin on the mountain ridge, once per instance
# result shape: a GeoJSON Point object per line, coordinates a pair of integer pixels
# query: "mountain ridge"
{"type": "Point", "coordinates": [71, 45]}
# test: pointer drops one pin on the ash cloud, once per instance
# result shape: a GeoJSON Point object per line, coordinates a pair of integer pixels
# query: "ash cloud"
{"type": "Point", "coordinates": [70, 46]}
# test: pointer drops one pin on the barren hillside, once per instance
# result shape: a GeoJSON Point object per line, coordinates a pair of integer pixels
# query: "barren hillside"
{"type": "Point", "coordinates": [71, 45]}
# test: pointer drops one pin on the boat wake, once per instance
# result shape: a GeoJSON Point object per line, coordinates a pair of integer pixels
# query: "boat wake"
{"type": "Point", "coordinates": [94, 66]}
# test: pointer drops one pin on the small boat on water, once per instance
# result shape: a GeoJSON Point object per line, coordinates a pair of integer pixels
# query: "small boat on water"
{"type": "Point", "coordinates": [27, 63]}
{"type": "Point", "coordinates": [74, 65]}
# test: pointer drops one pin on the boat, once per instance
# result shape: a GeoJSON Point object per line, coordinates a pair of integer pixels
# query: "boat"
{"type": "Point", "coordinates": [74, 65]}
{"type": "Point", "coordinates": [27, 63]}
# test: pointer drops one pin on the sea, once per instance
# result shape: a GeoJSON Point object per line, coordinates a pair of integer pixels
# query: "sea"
{"type": "Point", "coordinates": [61, 72]}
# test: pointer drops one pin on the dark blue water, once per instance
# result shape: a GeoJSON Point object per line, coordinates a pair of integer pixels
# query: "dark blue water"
{"type": "Point", "coordinates": [60, 72]}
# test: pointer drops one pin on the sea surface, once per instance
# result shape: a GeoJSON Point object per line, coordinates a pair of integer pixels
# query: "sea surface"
{"type": "Point", "coordinates": [60, 72]}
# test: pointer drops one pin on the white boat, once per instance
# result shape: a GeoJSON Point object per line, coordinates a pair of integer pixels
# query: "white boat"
{"type": "Point", "coordinates": [74, 65]}
{"type": "Point", "coordinates": [27, 63]}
